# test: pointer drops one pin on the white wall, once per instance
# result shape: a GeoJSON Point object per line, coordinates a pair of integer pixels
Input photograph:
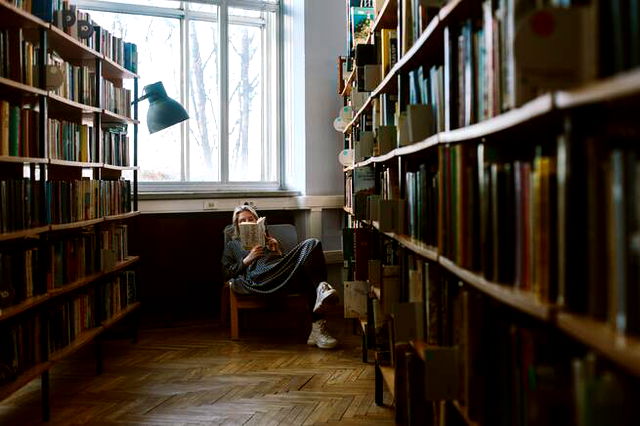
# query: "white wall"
{"type": "Point", "coordinates": [312, 46]}
{"type": "Point", "coordinates": [325, 40]}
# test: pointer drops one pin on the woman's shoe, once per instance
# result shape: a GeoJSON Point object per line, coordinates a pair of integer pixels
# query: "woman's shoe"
{"type": "Point", "coordinates": [320, 336]}
{"type": "Point", "coordinates": [325, 296]}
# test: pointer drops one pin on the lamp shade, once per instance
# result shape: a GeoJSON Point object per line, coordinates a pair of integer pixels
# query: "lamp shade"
{"type": "Point", "coordinates": [163, 111]}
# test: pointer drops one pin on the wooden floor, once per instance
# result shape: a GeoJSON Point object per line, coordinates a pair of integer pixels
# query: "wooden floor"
{"type": "Point", "coordinates": [194, 375]}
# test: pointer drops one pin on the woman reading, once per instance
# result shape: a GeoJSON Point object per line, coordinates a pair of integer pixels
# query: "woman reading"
{"type": "Point", "coordinates": [266, 270]}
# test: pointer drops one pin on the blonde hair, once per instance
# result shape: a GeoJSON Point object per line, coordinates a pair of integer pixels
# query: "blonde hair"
{"type": "Point", "coordinates": [246, 207]}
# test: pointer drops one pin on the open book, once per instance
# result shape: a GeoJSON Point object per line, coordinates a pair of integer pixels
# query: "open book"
{"type": "Point", "coordinates": [253, 233]}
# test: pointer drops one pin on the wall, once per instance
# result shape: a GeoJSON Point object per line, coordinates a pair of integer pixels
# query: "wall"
{"type": "Point", "coordinates": [324, 39]}
{"type": "Point", "coordinates": [314, 38]}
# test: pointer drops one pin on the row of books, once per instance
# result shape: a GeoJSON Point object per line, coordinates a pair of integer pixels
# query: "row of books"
{"type": "Point", "coordinates": [21, 275]}
{"type": "Point", "coordinates": [27, 203]}
{"type": "Point", "coordinates": [19, 129]}
{"type": "Point", "coordinates": [29, 270]}
{"type": "Point", "coordinates": [116, 99]}
{"type": "Point", "coordinates": [21, 343]}
{"type": "Point", "coordinates": [22, 340]}
{"type": "Point", "coordinates": [85, 199]}
{"type": "Point", "coordinates": [79, 25]}
{"type": "Point", "coordinates": [479, 76]}
{"type": "Point", "coordinates": [89, 309]}
{"type": "Point", "coordinates": [422, 204]}
{"type": "Point", "coordinates": [18, 57]}
{"type": "Point", "coordinates": [473, 350]}
{"type": "Point", "coordinates": [115, 146]}
{"type": "Point", "coordinates": [78, 81]}
{"type": "Point", "coordinates": [72, 141]}
{"type": "Point", "coordinates": [79, 256]}
{"type": "Point", "coordinates": [22, 204]}
{"type": "Point", "coordinates": [118, 294]}
{"type": "Point", "coordinates": [540, 376]}
{"type": "Point", "coordinates": [19, 134]}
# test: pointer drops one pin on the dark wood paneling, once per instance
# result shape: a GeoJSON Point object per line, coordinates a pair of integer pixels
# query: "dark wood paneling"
{"type": "Point", "coordinates": [180, 275]}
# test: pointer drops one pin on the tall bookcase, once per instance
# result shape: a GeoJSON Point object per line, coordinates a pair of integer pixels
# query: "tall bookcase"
{"type": "Point", "coordinates": [492, 210]}
{"type": "Point", "coordinates": [68, 189]}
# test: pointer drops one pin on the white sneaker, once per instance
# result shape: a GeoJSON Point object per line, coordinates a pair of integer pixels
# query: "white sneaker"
{"type": "Point", "coordinates": [320, 337]}
{"type": "Point", "coordinates": [325, 296]}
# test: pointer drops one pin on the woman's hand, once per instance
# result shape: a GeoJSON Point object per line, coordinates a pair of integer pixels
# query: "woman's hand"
{"type": "Point", "coordinates": [273, 245]}
{"type": "Point", "coordinates": [256, 253]}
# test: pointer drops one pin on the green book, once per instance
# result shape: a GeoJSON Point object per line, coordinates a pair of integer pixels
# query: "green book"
{"type": "Point", "coordinates": [14, 130]}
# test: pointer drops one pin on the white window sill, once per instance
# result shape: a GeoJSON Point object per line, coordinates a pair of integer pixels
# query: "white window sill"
{"type": "Point", "coordinates": [154, 203]}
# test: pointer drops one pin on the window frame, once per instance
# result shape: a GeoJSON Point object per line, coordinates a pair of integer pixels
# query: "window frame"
{"type": "Point", "coordinates": [274, 63]}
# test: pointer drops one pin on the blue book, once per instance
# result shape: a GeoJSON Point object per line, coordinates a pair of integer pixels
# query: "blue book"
{"type": "Point", "coordinates": [43, 9]}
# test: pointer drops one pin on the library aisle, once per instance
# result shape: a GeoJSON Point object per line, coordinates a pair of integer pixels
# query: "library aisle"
{"type": "Point", "coordinates": [193, 374]}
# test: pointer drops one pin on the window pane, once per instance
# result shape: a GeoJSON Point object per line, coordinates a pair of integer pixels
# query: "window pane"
{"type": "Point", "coordinates": [158, 3]}
{"type": "Point", "coordinates": [201, 7]}
{"type": "Point", "coordinates": [247, 139]}
{"type": "Point", "coordinates": [158, 42]}
{"type": "Point", "coordinates": [204, 94]}
{"type": "Point", "coordinates": [245, 13]}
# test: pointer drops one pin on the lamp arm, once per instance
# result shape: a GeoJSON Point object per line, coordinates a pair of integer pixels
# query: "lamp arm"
{"type": "Point", "coordinates": [141, 98]}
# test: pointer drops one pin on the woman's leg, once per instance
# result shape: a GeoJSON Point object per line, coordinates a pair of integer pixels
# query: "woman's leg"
{"type": "Point", "coordinates": [312, 273]}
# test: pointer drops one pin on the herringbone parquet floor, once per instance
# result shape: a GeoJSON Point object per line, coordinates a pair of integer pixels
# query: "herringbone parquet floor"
{"type": "Point", "coordinates": [195, 375]}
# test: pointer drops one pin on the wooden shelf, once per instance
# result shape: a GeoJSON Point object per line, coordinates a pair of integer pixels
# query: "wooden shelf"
{"type": "Point", "coordinates": [71, 163]}
{"type": "Point", "coordinates": [68, 47]}
{"type": "Point", "coordinates": [363, 324]}
{"type": "Point", "coordinates": [376, 291]}
{"type": "Point", "coordinates": [85, 338]}
{"type": "Point", "coordinates": [22, 306]}
{"type": "Point", "coordinates": [424, 49]}
{"type": "Point", "coordinates": [25, 377]}
{"type": "Point", "coordinates": [389, 377]}
{"type": "Point", "coordinates": [12, 17]}
{"type": "Point", "coordinates": [534, 109]}
{"type": "Point", "coordinates": [34, 232]}
{"type": "Point", "coordinates": [111, 70]}
{"type": "Point", "coordinates": [430, 142]}
{"type": "Point", "coordinates": [624, 350]}
{"type": "Point", "coordinates": [89, 335]}
{"type": "Point", "coordinates": [24, 160]}
{"type": "Point", "coordinates": [420, 347]}
{"type": "Point", "coordinates": [79, 342]}
{"type": "Point", "coordinates": [379, 159]}
{"type": "Point", "coordinates": [66, 288]}
{"type": "Point", "coordinates": [74, 225]}
{"type": "Point", "coordinates": [619, 86]}
{"type": "Point", "coordinates": [25, 233]}
{"type": "Point", "coordinates": [452, 9]}
{"type": "Point", "coordinates": [418, 247]}
{"type": "Point", "coordinates": [524, 301]}
{"type": "Point", "coordinates": [122, 216]}
{"type": "Point", "coordinates": [462, 410]}
{"type": "Point", "coordinates": [387, 16]}
{"type": "Point", "coordinates": [69, 104]}
{"type": "Point", "coordinates": [10, 85]}
{"type": "Point", "coordinates": [347, 85]}
{"type": "Point", "coordinates": [109, 117]}
{"type": "Point", "coordinates": [112, 167]}
{"type": "Point", "coordinates": [120, 315]}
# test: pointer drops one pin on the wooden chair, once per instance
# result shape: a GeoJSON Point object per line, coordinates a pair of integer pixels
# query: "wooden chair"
{"type": "Point", "coordinates": [232, 302]}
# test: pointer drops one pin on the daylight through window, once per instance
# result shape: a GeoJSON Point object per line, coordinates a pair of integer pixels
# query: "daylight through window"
{"type": "Point", "coordinates": [221, 61]}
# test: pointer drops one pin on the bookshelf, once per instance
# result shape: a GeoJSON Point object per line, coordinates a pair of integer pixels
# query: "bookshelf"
{"type": "Point", "coordinates": [68, 194]}
{"type": "Point", "coordinates": [494, 217]}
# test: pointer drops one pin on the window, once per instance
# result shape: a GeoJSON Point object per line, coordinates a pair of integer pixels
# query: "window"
{"type": "Point", "coordinates": [219, 59]}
